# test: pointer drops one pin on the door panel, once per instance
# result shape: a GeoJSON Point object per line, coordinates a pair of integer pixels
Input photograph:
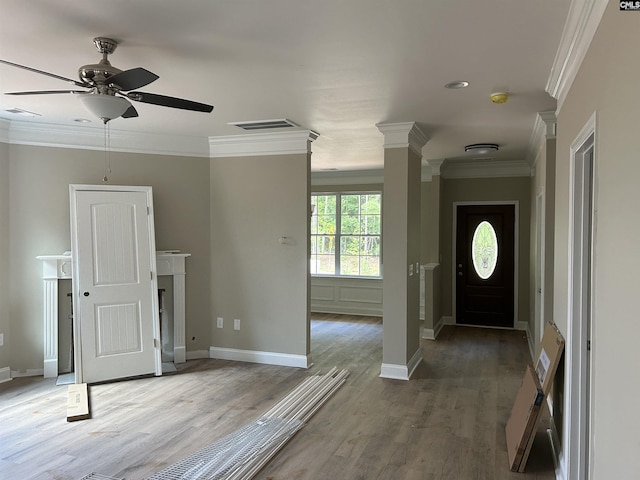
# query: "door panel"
{"type": "Point", "coordinates": [116, 291]}
{"type": "Point", "coordinates": [485, 295]}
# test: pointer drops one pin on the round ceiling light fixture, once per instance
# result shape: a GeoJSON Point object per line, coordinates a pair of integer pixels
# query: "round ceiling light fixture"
{"type": "Point", "coordinates": [482, 148]}
{"type": "Point", "coordinates": [457, 84]}
{"type": "Point", "coordinates": [499, 97]}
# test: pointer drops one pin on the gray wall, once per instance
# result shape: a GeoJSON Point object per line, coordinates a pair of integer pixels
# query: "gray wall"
{"type": "Point", "coordinates": [39, 179]}
{"type": "Point", "coordinates": [254, 202]}
{"type": "Point", "coordinates": [4, 256]}
{"type": "Point", "coordinates": [478, 190]}
{"type": "Point", "coordinates": [607, 84]}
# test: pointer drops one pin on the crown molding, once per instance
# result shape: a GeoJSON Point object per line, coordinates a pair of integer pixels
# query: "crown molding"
{"type": "Point", "coordinates": [403, 135]}
{"type": "Point", "coordinates": [485, 169]}
{"type": "Point", "coordinates": [272, 143]}
{"type": "Point", "coordinates": [544, 128]}
{"type": "Point", "coordinates": [582, 22]}
{"type": "Point", "coordinates": [435, 165]}
{"type": "Point", "coordinates": [92, 138]}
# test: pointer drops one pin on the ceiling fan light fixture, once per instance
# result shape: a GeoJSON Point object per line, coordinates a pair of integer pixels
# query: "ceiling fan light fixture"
{"type": "Point", "coordinates": [499, 97]}
{"type": "Point", "coordinates": [105, 107]}
{"type": "Point", "coordinates": [481, 148]}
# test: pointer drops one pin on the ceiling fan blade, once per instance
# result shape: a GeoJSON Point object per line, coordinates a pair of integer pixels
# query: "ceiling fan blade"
{"type": "Point", "coordinates": [46, 92]}
{"type": "Point", "coordinates": [173, 102]}
{"type": "Point", "coordinates": [130, 113]}
{"type": "Point", "coordinates": [133, 78]}
{"type": "Point", "coordinates": [41, 72]}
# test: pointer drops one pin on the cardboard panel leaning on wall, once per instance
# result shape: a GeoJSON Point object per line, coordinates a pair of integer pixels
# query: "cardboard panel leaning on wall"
{"type": "Point", "coordinates": [39, 225]}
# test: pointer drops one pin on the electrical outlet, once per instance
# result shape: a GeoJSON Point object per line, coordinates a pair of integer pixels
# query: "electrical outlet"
{"type": "Point", "coordinates": [220, 322]}
{"type": "Point", "coordinates": [236, 324]}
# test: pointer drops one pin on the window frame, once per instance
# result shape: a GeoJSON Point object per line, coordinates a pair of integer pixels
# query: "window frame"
{"type": "Point", "coordinates": [339, 235]}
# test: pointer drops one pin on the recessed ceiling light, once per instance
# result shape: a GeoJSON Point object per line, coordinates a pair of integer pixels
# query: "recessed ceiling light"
{"type": "Point", "coordinates": [23, 113]}
{"type": "Point", "coordinates": [481, 148]}
{"type": "Point", "coordinates": [457, 84]}
{"type": "Point", "coordinates": [82, 120]}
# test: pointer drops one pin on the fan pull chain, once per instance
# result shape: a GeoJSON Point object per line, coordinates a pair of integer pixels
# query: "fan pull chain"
{"type": "Point", "coordinates": [107, 148]}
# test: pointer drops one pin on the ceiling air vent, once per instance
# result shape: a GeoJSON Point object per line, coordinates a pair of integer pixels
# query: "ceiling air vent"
{"type": "Point", "coordinates": [265, 124]}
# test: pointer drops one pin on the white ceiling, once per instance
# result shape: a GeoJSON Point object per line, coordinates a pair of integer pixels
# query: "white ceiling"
{"type": "Point", "coordinates": [338, 67]}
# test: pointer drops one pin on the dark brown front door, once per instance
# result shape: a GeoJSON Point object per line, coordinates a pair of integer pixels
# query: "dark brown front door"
{"type": "Point", "coordinates": [484, 265]}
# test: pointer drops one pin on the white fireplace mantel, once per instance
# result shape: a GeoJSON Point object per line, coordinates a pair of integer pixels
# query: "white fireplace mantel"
{"type": "Point", "coordinates": [58, 267]}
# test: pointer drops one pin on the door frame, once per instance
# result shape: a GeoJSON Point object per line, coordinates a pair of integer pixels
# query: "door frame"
{"type": "Point", "coordinates": [578, 386]}
{"type": "Point", "coordinates": [77, 298]}
{"type": "Point", "coordinates": [516, 236]}
{"type": "Point", "coordinates": [539, 273]}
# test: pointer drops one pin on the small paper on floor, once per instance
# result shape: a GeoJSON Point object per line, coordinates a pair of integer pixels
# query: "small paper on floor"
{"type": "Point", "coordinates": [77, 402]}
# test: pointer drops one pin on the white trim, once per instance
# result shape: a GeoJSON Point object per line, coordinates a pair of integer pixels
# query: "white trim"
{"type": "Point", "coordinates": [575, 454]}
{"type": "Point", "coordinates": [403, 135]}
{"type": "Point", "coordinates": [554, 440]}
{"type": "Point", "coordinates": [5, 374]}
{"type": "Point", "coordinates": [579, 29]}
{"type": "Point", "coordinates": [517, 325]}
{"type": "Point", "coordinates": [401, 372]}
{"type": "Point", "coordinates": [485, 168]}
{"type": "Point", "coordinates": [197, 354]}
{"type": "Point", "coordinates": [268, 358]}
{"type": "Point", "coordinates": [544, 128]}
{"type": "Point", "coordinates": [432, 333]}
{"type": "Point", "coordinates": [92, 138]}
{"type": "Point", "coordinates": [259, 144]}
{"type": "Point", "coordinates": [435, 165]}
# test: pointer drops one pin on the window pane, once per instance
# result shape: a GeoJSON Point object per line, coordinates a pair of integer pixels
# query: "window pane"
{"type": "Point", "coordinates": [349, 265]}
{"type": "Point", "coordinates": [349, 245]}
{"type": "Point", "coordinates": [326, 244]}
{"type": "Point", "coordinates": [370, 204]}
{"type": "Point", "coordinates": [314, 224]}
{"type": "Point", "coordinates": [350, 204]}
{"type": "Point", "coordinates": [370, 266]}
{"type": "Point", "coordinates": [314, 248]}
{"type": "Point", "coordinates": [370, 225]}
{"type": "Point", "coordinates": [326, 264]}
{"type": "Point", "coordinates": [350, 225]}
{"type": "Point", "coordinates": [370, 246]}
{"type": "Point", "coordinates": [484, 249]}
{"type": "Point", "coordinates": [326, 224]}
{"type": "Point", "coordinates": [326, 204]}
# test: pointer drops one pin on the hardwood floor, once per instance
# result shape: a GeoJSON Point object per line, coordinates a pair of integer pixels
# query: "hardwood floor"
{"type": "Point", "coordinates": [446, 423]}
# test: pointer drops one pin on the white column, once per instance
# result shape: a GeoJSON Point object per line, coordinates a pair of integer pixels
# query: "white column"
{"type": "Point", "coordinates": [179, 345]}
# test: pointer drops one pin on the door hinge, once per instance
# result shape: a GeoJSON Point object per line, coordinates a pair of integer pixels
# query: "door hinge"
{"type": "Point", "coordinates": [156, 343]}
{"type": "Point", "coordinates": [588, 345]}
{"type": "Point", "coordinates": [148, 210]}
{"type": "Point", "coordinates": [151, 275]}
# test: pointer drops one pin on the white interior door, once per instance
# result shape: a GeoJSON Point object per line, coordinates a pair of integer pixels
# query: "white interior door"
{"type": "Point", "coordinates": [114, 283]}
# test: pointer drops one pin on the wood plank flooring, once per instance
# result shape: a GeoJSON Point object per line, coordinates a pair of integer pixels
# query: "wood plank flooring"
{"type": "Point", "coordinates": [446, 423]}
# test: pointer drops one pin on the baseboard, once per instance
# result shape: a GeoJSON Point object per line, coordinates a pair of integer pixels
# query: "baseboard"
{"type": "Point", "coordinates": [5, 374]}
{"type": "Point", "coordinates": [521, 326]}
{"type": "Point", "coordinates": [268, 358]}
{"type": "Point", "coordinates": [555, 449]}
{"type": "Point", "coordinates": [432, 333]}
{"type": "Point", "coordinates": [30, 372]}
{"type": "Point", "coordinates": [180, 354]}
{"type": "Point", "coordinates": [530, 342]}
{"type": "Point", "coordinates": [197, 354]}
{"type": "Point", "coordinates": [447, 321]}
{"type": "Point", "coordinates": [401, 372]}
{"type": "Point", "coordinates": [345, 310]}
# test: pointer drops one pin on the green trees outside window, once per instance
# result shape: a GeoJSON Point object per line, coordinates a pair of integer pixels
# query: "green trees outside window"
{"type": "Point", "coordinates": [346, 233]}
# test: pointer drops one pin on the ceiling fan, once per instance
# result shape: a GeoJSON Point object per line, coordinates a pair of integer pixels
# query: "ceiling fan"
{"type": "Point", "coordinates": [109, 89]}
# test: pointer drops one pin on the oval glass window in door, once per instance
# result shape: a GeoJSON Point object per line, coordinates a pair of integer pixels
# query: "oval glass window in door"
{"type": "Point", "coordinates": [484, 250]}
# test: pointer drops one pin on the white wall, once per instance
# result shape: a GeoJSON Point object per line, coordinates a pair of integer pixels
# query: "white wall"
{"type": "Point", "coordinates": [607, 83]}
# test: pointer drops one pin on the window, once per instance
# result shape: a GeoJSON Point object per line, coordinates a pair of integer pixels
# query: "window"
{"type": "Point", "coordinates": [485, 250]}
{"type": "Point", "coordinates": [346, 234]}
